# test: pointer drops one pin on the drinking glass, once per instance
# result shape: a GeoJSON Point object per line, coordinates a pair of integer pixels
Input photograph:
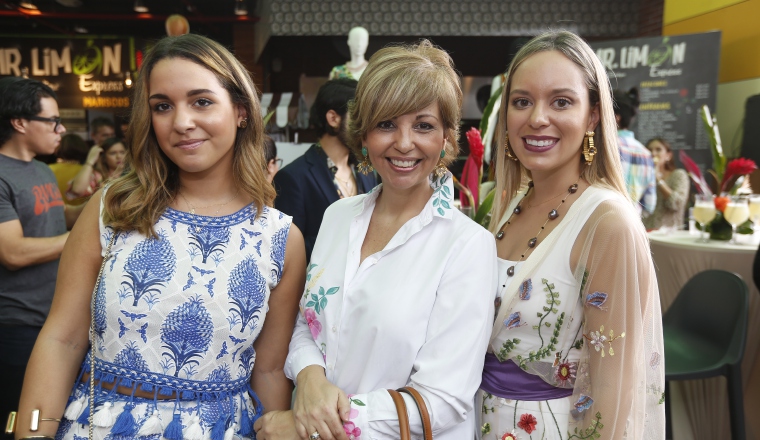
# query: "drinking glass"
{"type": "Point", "coordinates": [754, 209]}
{"type": "Point", "coordinates": [704, 213]}
{"type": "Point", "coordinates": [736, 213]}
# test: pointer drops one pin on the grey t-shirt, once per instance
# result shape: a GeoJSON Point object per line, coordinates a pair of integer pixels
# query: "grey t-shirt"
{"type": "Point", "coordinates": [29, 193]}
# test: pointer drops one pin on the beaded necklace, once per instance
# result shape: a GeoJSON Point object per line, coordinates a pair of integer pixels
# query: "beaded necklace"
{"type": "Point", "coordinates": [220, 206]}
{"type": "Point", "coordinates": [553, 215]}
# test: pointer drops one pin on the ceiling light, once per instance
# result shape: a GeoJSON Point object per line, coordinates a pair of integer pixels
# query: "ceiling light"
{"type": "Point", "coordinates": [140, 6]}
{"type": "Point", "coordinates": [28, 5]}
{"type": "Point", "coordinates": [240, 7]}
{"type": "Point", "coordinates": [80, 30]}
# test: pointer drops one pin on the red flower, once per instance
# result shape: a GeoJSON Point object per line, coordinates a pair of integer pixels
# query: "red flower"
{"type": "Point", "coordinates": [476, 145]}
{"type": "Point", "coordinates": [735, 169]}
{"type": "Point", "coordinates": [527, 423]}
{"type": "Point", "coordinates": [509, 436]}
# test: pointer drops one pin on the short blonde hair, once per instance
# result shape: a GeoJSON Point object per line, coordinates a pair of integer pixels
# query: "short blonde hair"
{"type": "Point", "coordinates": [401, 80]}
{"type": "Point", "coordinates": [606, 169]}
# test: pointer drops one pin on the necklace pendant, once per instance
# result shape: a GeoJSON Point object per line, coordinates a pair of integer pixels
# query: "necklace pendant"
{"type": "Point", "coordinates": [517, 209]}
{"type": "Point", "coordinates": [500, 235]}
{"type": "Point", "coordinates": [192, 211]}
{"type": "Point", "coordinates": [553, 214]}
{"type": "Point", "coordinates": [511, 271]}
{"type": "Point", "coordinates": [532, 242]}
{"type": "Point", "coordinates": [573, 188]}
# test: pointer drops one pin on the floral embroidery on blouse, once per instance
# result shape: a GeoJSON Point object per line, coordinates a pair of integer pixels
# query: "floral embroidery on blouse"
{"type": "Point", "coordinates": [546, 349]}
{"type": "Point", "coordinates": [527, 423]}
{"type": "Point", "coordinates": [352, 431]}
{"type": "Point", "coordinates": [564, 374]}
{"type": "Point", "coordinates": [510, 436]}
{"type": "Point", "coordinates": [591, 432]}
{"type": "Point", "coordinates": [525, 288]}
{"type": "Point", "coordinates": [441, 194]}
{"type": "Point", "coordinates": [597, 299]}
{"type": "Point", "coordinates": [598, 339]}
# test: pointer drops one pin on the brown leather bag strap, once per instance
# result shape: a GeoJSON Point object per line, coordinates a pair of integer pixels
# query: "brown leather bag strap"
{"type": "Point", "coordinates": [427, 429]}
{"type": "Point", "coordinates": [403, 416]}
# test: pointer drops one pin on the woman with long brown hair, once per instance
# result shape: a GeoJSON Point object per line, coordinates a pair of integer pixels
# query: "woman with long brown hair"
{"type": "Point", "coordinates": [200, 278]}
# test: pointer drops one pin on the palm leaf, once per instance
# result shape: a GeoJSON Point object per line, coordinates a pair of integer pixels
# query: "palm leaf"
{"type": "Point", "coordinates": [481, 217]}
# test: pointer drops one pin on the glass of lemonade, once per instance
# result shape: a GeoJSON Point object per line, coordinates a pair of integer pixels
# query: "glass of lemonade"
{"type": "Point", "coordinates": [704, 213]}
{"type": "Point", "coordinates": [754, 209]}
{"type": "Point", "coordinates": [736, 213]}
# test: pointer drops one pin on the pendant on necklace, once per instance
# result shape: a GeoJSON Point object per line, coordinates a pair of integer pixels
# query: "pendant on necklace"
{"type": "Point", "coordinates": [511, 271]}
{"type": "Point", "coordinates": [532, 242]}
{"type": "Point", "coordinates": [553, 214]}
{"type": "Point", "coordinates": [500, 235]}
{"type": "Point", "coordinates": [517, 209]}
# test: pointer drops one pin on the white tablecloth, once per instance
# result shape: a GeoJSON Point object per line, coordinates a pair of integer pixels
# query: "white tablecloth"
{"type": "Point", "coordinates": [700, 407]}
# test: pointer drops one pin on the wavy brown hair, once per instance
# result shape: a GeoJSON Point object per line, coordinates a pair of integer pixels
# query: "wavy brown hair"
{"type": "Point", "coordinates": [606, 169]}
{"type": "Point", "coordinates": [402, 79]}
{"type": "Point", "coordinates": [137, 200]}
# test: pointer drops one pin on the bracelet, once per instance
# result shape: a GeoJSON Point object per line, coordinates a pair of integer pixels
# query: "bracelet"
{"type": "Point", "coordinates": [38, 436]}
{"type": "Point", "coordinates": [35, 423]}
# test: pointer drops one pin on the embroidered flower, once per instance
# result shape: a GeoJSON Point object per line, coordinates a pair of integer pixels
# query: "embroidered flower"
{"type": "Point", "coordinates": [654, 361]}
{"type": "Point", "coordinates": [527, 423]}
{"type": "Point", "coordinates": [314, 325]}
{"type": "Point", "coordinates": [352, 431]}
{"type": "Point", "coordinates": [598, 340]}
{"type": "Point", "coordinates": [524, 290]}
{"type": "Point", "coordinates": [511, 435]}
{"type": "Point", "coordinates": [564, 374]}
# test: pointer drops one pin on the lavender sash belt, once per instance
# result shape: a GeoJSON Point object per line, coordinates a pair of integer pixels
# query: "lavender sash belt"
{"type": "Point", "coordinates": [509, 381]}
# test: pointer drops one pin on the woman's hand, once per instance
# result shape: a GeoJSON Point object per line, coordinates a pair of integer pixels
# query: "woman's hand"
{"type": "Point", "coordinates": [93, 155]}
{"type": "Point", "coordinates": [276, 425]}
{"type": "Point", "coordinates": [320, 407]}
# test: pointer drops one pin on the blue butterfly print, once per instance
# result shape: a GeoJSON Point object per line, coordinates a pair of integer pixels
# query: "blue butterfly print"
{"type": "Point", "coordinates": [143, 332]}
{"type": "Point", "coordinates": [596, 299]}
{"type": "Point", "coordinates": [236, 352]}
{"type": "Point", "coordinates": [210, 287]}
{"type": "Point", "coordinates": [251, 234]}
{"type": "Point", "coordinates": [224, 350]}
{"type": "Point", "coordinates": [203, 272]}
{"type": "Point", "coordinates": [236, 340]}
{"type": "Point", "coordinates": [243, 243]}
{"type": "Point", "coordinates": [190, 281]}
{"type": "Point", "coordinates": [133, 316]}
{"type": "Point", "coordinates": [513, 321]}
{"type": "Point", "coordinates": [583, 403]}
{"type": "Point", "coordinates": [258, 248]}
{"type": "Point", "coordinates": [122, 328]}
{"type": "Point", "coordinates": [525, 289]}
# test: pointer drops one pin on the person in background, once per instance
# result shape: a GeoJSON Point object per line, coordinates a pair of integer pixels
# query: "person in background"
{"type": "Point", "coordinates": [576, 348]}
{"type": "Point", "coordinates": [200, 281]}
{"type": "Point", "coordinates": [638, 168]}
{"type": "Point", "coordinates": [270, 155]}
{"type": "Point", "coordinates": [327, 170]}
{"type": "Point", "coordinates": [672, 188]}
{"type": "Point", "coordinates": [33, 224]}
{"type": "Point", "coordinates": [70, 155]}
{"type": "Point", "coordinates": [401, 283]}
{"type": "Point", "coordinates": [101, 128]}
{"type": "Point", "coordinates": [103, 163]}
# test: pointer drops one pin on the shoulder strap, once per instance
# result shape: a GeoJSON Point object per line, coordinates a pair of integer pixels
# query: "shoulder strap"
{"type": "Point", "coordinates": [427, 429]}
{"type": "Point", "coordinates": [403, 416]}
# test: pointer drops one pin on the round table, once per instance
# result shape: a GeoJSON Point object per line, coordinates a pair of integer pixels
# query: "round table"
{"type": "Point", "coordinates": [704, 403]}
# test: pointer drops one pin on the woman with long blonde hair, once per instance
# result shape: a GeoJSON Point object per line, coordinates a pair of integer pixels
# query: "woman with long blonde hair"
{"type": "Point", "coordinates": [576, 347]}
{"type": "Point", "coordinates": [200, 281]}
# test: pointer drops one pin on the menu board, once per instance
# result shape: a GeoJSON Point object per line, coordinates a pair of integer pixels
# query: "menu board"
{"type": "Point", "coordinates": [85, 73]}
{"type": "Point", "coordinates": [676, 75]}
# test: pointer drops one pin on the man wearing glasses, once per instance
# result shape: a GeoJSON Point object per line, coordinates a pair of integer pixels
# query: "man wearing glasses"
{"type": "Point", "coordinates": [33, 224]}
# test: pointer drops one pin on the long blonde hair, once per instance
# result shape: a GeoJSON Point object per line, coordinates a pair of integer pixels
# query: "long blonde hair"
{"type": "Point", "coordinates": [402, 79]}
{"type": "Point", "coordinates": [606, 170]}
{"type": "Point", "coordinates": [137, 200]}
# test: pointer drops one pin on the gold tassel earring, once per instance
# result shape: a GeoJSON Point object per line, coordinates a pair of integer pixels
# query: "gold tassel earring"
{"type": "Point", "coordinates": [589, 150]}
{"type": "Point", "coordinates": [506, 148]}
{"type": "Point", "coordinates": [365, 167]}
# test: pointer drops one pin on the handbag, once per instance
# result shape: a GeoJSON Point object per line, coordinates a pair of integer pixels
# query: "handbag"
{"type": "Point", "coordinates": [92, 334]}
{"type": "Point", "coordinates": [403, 416]}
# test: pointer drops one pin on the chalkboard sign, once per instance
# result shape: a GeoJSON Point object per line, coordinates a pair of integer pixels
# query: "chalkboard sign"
{"type": "Point", "coordinates": [676, 75]}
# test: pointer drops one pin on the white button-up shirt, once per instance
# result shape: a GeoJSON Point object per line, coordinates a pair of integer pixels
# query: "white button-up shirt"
{"type": "Point", "coordinates": [417, 313]}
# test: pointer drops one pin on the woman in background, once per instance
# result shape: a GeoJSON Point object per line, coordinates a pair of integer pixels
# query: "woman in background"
{"type": "Point", "coordinates": [104, 162]}
{"type": "Point", "coordinates": [672, 188]}
{"type": "Point", "coordinates": [576, 348]}
{"type": "Point", "coordinates": [70, 156]}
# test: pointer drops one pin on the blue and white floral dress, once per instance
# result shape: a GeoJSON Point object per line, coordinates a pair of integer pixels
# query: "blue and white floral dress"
{"type": "Point", "coordinates": [178, 316]}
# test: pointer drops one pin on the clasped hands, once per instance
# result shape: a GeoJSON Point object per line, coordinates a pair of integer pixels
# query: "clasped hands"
{"type": "Point", "coordinates": [319, 411]}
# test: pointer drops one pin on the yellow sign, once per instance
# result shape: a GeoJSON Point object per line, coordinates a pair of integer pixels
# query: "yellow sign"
{"type": "Point", "coordinates": [104, 102]}
{"type": "Point", "coordinates": [677, 10]}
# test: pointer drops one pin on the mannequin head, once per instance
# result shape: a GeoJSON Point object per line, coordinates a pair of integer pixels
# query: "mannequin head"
{"type": "Point", "coordinates": [358, 39]}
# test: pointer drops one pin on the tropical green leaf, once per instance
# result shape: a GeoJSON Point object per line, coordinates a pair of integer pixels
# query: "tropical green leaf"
{"type": "Point", "coordinates": [268, 117]}
{"type": "Point", "coordinates": [489, 109]}
{"type": "Point", "coordinates": [481, 217]}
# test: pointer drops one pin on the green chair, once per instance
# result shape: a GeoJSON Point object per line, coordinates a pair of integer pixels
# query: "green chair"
{"type": "Point", "coordinates": [705, 330]}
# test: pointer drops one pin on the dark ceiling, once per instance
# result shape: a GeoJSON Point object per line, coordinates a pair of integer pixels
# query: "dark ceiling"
{"type": "Point", "coordinates": [213, 18]}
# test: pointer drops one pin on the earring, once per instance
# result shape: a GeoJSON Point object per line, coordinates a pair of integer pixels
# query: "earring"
{"type": "Point", "coordinates": [365, 167]}
{"type": "Point", "coordinates": [243, 123]}
{"type": "Point", "coordinates": [506, 148]}
{"type": "Point", "coordinates": [589, 150]}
